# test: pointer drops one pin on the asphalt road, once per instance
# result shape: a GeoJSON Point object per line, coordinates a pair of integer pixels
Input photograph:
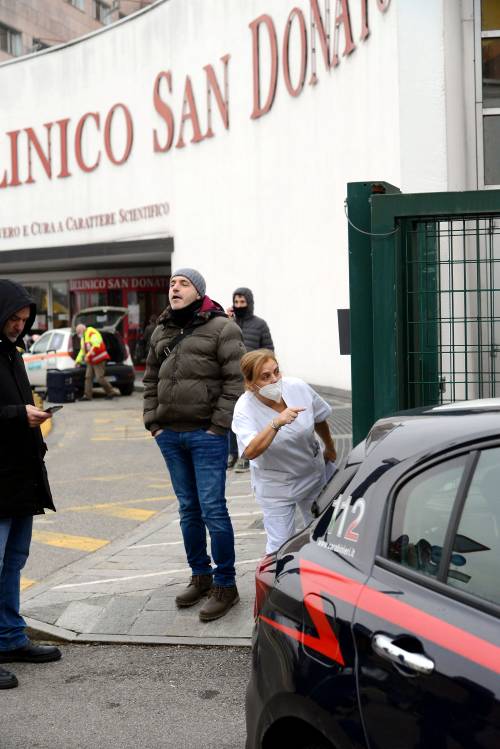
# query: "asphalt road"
{"type": "Point", "coordinates": [107, 476]}
{"type": "Point", "coordinates": [124, 697]}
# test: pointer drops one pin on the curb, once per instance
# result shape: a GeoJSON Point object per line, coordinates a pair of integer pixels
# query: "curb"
{"type": "Point", "coordinates": [37, 630]}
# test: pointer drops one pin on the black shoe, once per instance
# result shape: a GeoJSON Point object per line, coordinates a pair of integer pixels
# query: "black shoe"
{"type": "Point", "coordinates": [31, 654]}
{"type": "Point", "coordinates": [7, 680]}
{"type": "Point", "coordinates": [84, 398]}
{"type": "Point", "coordinates": [231, 460]}
{"type": "Point", "coordinates": [109, 396]}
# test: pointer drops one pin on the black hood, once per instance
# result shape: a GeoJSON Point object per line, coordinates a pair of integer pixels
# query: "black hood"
{"type": "Point", "coordinates": [13, 297]}
{"type": "Point", "coordinates": [247, 293]}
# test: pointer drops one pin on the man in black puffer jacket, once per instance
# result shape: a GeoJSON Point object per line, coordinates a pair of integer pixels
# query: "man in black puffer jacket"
{"type": "Point", "coordinates": [256, 334]}
{"type": "Point", "coordinates": [24, 488]}
{"type": "Point", "coordinates": [191, 385]}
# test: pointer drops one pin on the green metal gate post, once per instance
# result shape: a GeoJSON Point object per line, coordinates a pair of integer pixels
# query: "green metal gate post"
{"type": "Point", "coordinates": [362, 314]}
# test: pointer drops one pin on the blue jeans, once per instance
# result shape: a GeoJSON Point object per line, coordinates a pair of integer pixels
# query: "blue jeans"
{"type": "Point", "coordinates": [197, 462]}
{"type": "Point", "coordinates": [15, 539]}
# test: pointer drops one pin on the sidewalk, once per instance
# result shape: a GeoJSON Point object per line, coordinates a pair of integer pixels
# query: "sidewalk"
{"type": "Point", "coordinates": [125, 591]}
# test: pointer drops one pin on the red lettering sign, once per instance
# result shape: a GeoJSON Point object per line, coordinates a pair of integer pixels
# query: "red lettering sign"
{"type": "Point", "coordinates": [87, 146]}
{"type": "Point", "coordinates": [129, 283]}
{"type": "Point", "coordinates": [258, 108]}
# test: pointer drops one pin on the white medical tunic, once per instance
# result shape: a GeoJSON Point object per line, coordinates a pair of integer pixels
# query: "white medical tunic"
{"type": "Point", "coordinates": [292, 468]}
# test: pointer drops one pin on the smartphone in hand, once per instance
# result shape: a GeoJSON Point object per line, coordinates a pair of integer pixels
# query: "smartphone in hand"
{"type": "Point", "coordinates": [52, 409]}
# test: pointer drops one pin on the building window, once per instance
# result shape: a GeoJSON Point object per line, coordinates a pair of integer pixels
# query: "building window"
{"type": "Point", "coordinates": [10, 41]}
{"type": "Point", "coordinates": [102, 12]}
{"type": "Point", "coordinates": [80, 4]}
{"type": "Point", "coordinates": [488, 90]}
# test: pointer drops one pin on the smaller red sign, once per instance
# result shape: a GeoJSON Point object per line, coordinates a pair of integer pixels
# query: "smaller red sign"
{"type": "Point", "coordinates": [129, 283]}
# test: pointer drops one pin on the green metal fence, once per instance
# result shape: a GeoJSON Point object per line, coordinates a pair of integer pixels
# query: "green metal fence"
{"type": "Point", "coordinates": [425, 299]}
{"type": "Point", "coordinates": [452, 309]}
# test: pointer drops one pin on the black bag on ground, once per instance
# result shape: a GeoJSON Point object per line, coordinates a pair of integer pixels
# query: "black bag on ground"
{"type": "Point", "coordinates": [60, 386]}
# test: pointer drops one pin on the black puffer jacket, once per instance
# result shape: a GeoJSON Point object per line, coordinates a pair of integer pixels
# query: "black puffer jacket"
{"type": "Point", "coordinates": [254, 329]}
{"type": "Point", "coordinates": [24, 488]}
{"type": "Point", "coordinates": [198, 385]}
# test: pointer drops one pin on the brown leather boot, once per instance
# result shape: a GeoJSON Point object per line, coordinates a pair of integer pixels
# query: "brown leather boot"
{"type": "Point", "coordinates": [219, 602]}
{"type": "Point", "coordinates": [198, 587]}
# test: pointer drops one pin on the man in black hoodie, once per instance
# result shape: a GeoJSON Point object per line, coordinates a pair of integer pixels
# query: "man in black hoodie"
{"type": "Point", "coordinates": [24, 487]}
{"type": "Point", "coordinates": [255, 330]}
{"type": "Point", "coordinates": [256, 334]}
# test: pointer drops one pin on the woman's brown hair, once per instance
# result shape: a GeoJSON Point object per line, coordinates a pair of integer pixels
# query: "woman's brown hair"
{"type": "Point", "coordinates": [251, 364]}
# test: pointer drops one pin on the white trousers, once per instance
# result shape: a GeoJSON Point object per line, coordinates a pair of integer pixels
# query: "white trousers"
{"type": "Point", "coordinates": [279, 519]}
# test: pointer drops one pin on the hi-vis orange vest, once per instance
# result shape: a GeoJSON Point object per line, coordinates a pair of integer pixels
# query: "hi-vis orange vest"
{"type": "Point", "coordinates": [92, 348]}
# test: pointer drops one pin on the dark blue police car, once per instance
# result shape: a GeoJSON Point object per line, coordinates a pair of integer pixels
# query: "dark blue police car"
{"type": "Point", "coordinates": [378, 626]}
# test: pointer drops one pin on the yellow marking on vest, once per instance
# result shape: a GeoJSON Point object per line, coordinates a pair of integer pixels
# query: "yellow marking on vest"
{"type": "Point", "coordinates": [66, 541]}
{"type": "Point", "coordinates": [26, 583]}
{"type": "Point", "coordinates": [103, 421]}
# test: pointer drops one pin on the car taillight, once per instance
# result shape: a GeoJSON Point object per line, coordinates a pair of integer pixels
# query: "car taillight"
{"type": "Point", "coordinates": [264, 579]}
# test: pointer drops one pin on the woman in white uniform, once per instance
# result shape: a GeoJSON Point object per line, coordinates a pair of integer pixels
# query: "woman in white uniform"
{"type": "Point", "coordinates": [276, 422]}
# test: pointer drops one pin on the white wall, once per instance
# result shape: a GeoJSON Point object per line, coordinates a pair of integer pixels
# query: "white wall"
{"type": "Point", "coordinates": [260, 204]}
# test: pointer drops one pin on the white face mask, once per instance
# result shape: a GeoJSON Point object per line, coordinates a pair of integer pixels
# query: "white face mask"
{"type": "Point", "coordinates": [272, 391]}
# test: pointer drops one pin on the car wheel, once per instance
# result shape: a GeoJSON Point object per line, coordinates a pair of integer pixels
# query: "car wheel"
{"type": "Point", "coordinates": [126, 389]}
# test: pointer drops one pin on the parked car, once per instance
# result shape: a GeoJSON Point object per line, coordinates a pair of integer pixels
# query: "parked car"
{"type": "Point", "coordinates": [378, 625]}
{"type": "Point", "coordinates": [58, 348]}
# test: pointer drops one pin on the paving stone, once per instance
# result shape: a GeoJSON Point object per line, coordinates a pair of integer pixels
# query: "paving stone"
{"type": "Point", "coordinates": [119, 615]}
{"type": "Point", "coordinates": [155, 623]}
{"type": "Point", "coordinates": [161, 600]}
{"type": "Point", "coordinates": [48, 614]}
{"type": "Point", "coordinates": [80, 616]}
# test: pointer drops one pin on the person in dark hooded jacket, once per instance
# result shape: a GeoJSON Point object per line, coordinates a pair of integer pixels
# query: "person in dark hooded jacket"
{"type": "Point", "coordinates": [24, 487]}
{"type": "Point", "coordinates": [256, 335]}
{"type": "Point", "coordinates": [255, 330]}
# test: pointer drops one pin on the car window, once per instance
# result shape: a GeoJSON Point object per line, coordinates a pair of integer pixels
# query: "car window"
{"type": "Point", "coordinates": [421, 515]}
{"type": "Point", "coordinates": [40, 346]}
{"type": "Point", "coordinates": [475, 559]}
{"type": "Point", "coordinates": [56, 342]}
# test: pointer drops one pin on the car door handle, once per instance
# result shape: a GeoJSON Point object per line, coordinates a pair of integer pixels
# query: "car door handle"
{"type": "Point", "coordinates": [387, 648]}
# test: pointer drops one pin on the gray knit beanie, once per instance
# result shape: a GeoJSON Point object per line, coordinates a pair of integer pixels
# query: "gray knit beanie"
{"type": "Point", "coordinates": [194, 276]}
